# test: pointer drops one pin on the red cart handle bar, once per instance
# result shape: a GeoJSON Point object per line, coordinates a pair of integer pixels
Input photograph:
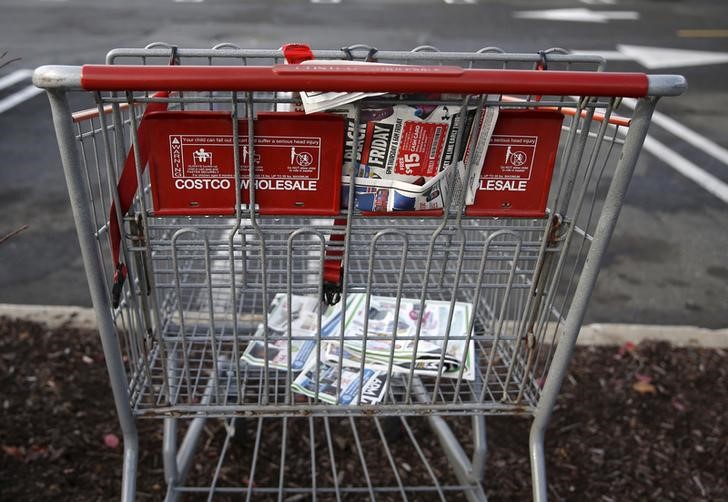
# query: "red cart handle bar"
{"type": "Point", "coordinates": [350, 78]}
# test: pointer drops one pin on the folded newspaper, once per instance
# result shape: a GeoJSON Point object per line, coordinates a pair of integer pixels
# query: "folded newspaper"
{"type": "Point", "coordinates": [304, 319]}
{"type": "Point", "coordinates": [371, 381]}
{"type": "Point", "coordinates": [406, 158]}
{"type": "Point", "coordinates": [391, 346]}
{"type": "Point", "coordinates": [392, 336]}
{"type": "Point", "coordinates": [314, 101]}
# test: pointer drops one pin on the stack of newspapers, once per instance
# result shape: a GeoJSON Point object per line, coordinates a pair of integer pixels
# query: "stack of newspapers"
{"type": "Point", "coordinates": [407, 157]}
{"type": "Point", "coordinates": [380, 341]}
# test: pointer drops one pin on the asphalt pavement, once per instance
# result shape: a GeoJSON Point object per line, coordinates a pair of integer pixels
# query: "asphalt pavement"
{"type": "Point", "coordinates": [667, 262]}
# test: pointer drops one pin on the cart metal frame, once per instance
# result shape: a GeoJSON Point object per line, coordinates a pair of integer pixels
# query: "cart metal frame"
{"type": "Point", "coordinates": [172, 345]}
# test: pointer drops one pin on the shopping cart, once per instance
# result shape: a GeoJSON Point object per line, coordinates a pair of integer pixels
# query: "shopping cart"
{"type": "Point", "coordinates": [182, 283]}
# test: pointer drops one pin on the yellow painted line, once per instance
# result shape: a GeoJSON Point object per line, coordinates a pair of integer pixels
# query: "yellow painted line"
{"type": "Point", "coordinates": [702, 33]}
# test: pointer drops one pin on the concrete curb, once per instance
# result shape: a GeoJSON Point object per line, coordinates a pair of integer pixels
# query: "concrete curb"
{"type": "Point", "coordinates": [52, 316]}
{"type": "Point", "coordinates": [678, 336]}
{"type": "Point", "coordinates": [591, 334]}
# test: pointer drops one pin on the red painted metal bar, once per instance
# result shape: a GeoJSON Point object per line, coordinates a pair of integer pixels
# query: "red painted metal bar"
{"type": "Point", "coordinates": [92, 113]}
{"type": "Point", "coordinates": [350, 78]}
{"type": "Point", "coordinates": [599, 117]}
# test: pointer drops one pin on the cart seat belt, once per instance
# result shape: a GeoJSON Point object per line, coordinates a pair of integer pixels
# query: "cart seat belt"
{"type": "Point", "coordinates": [127, 188]}
{"type": "Point", "coordinates": [332, 273]}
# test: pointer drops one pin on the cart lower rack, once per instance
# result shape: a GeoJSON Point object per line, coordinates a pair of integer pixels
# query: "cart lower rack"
{"type": "Point", "coordinates": [422, 253]}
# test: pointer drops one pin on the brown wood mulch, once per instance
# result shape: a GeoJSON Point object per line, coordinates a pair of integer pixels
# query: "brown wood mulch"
{"type": "Point", "coordinates": [633, 423]}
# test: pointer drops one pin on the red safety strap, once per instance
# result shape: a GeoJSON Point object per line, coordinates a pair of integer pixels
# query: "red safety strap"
{"type": "Point", "coordinates": [295, 54]}
{"type": "Point", "coordinates": [128, 185]}
{"type": "Point", "coordinates": [127, 188]}
{"type": "Point", "coordinates": [332, 265]}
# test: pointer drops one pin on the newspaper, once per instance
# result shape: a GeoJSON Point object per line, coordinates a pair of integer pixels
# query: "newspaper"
{"type": "Point", "coordinates": [277, 354]}
{"type": "Point", "coordinates": [406, 160]}
{"type": "Point", "coordinates": [382, 195]}
{"type": "Point", "coordinates": [474, 156]}
{"type": "Point", "coordinates": [394, 336]}
{"type": "Point", "coordinates": [304, 319]}
{"type": "Point", "coordinates": [424, 364]}
{"type": "Point", "coordinates": [314, 101]}
{"type": "Point", "coordinates": [373, 383]}
{"type": "Point", "coordinates": [383, 355]}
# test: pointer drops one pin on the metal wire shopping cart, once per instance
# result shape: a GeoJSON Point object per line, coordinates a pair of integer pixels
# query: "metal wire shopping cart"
{"type": "Point", "coordinates": [185, 278]}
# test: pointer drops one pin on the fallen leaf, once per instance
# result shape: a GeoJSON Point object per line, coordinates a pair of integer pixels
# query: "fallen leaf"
{"type": "Point", "coordinates": [13, 451]}
{"type": "Point", "coordinates": [111, 440]}
{"type": "Point", "coordinates": [644, 387]}
{"type": "Point", "coordinates": [628, 347]}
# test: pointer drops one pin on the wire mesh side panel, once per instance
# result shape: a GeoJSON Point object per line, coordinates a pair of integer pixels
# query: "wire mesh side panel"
{"type": "Point", "coordinates": [209, 289]}
{"type": "Point", "coordinates": [587, 166]}
{"type": "Point", "coordinates": [102, 134]}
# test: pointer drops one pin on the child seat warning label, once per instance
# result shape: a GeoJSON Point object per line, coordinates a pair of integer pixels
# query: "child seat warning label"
{"type": "Point", "coordinates": [281, 162]}
{"type": "Point", "coordinates": [516, 175]}
{"type": "Point", "coordinates": [514, 160]}
{"type": "Point", "coordinates": [193, 163]}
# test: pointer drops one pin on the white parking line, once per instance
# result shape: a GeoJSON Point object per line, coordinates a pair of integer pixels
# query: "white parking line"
{"type": "Point", "coordinates": [18, 97]}
{"type": "Point", "coordinates": [685, 134]}
{"type": "Point", "coordinates": [15, 77]}
{"type": "Point", "coordinates": [687, 168]}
